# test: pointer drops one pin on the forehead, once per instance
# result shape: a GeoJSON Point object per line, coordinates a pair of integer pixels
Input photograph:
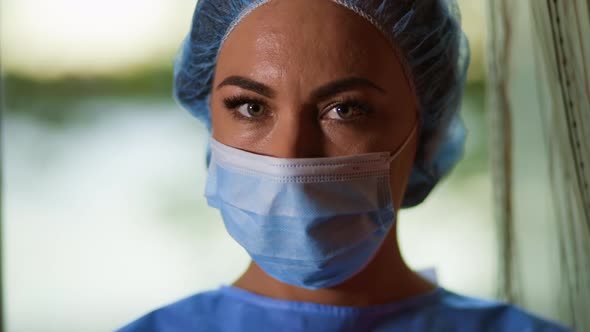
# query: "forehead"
{"type": "Point", "coordinates": [309, 39]}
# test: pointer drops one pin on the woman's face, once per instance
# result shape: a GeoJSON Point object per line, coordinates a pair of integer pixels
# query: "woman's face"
{"type": "Point", "coordinates": [308, 78]}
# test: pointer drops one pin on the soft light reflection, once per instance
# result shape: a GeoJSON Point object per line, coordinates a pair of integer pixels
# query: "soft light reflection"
{"type": "Point", "coordinates": [84, 37]}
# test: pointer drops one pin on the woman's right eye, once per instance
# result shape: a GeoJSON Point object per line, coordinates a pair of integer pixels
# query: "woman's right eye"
{"type": "Point", "coordinates": [246, 108]}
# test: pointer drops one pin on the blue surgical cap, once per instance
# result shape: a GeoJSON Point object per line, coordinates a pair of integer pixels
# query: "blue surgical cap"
{"type": "Point", "coordinates": [427, 36]}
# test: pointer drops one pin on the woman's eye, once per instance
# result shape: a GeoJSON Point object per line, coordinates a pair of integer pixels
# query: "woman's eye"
{"type": "Point", "coordinates": [251, 110]}
{"type": "Point", "coordinates": [345, 112]}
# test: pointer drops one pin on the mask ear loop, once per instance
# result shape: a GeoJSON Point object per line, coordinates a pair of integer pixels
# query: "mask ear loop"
{"type": "Point", "coordinates": [406, 142]}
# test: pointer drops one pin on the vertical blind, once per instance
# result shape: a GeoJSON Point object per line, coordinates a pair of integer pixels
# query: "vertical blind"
{"type": "Point", "coordinates": [540, 143]}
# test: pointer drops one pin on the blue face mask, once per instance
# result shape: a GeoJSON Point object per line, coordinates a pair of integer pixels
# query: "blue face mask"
{"type": "Point", "coordinates": [311, 222]}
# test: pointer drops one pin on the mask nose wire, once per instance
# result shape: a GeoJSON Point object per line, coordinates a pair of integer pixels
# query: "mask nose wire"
{"type": "Point", "coordinates": [406, 142]}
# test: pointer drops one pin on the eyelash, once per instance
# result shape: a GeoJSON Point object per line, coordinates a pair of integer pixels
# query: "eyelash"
{"type": "Point", "coordinates": [349, 102]}
{"type": "Point", "coordinates": [233, 103]}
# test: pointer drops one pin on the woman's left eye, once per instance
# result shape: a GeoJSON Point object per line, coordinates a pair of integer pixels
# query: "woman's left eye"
{"type": "Point", "coordinates": [346, 112]}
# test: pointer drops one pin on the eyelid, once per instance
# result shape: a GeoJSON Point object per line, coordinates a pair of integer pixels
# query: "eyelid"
{"type": "Point", "coordinates": [236, 101]}
{"type": "Point", "coordinates": [233, 103]}
{"type": "Point", "coordinates": [347, 101]}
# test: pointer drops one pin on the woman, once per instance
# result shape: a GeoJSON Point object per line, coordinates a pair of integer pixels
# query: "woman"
{"type": "Point", "coordinates": [326, 117]}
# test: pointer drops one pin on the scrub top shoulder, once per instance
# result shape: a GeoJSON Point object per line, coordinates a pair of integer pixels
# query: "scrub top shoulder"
{"type": "Point", "coordinates": [234, 309]}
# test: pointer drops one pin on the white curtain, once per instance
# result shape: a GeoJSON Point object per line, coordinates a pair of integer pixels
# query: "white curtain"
{"type": "Point", "coordinates": [539, 107]}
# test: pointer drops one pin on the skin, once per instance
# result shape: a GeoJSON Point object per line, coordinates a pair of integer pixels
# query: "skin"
{"type": "Point", "coordinates": [282, 87]}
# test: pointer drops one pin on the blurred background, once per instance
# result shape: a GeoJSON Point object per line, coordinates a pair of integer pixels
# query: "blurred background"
{"type": "Point", "coordinates": [104, 215]}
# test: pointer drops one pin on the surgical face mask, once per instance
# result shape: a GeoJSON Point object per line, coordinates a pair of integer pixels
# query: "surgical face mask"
{"type": "Point", "coordinates": [311, 222]}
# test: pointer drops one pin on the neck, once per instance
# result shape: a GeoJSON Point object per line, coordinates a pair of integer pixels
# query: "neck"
{"type": "Point", "coordinates": [385, 279]}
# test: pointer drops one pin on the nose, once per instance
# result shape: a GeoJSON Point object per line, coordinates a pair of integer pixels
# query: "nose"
{"type": "Point", "coordinates": [296, 134]}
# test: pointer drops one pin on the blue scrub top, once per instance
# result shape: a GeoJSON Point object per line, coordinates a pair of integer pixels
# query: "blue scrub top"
{"type": "Point", "coordinates": [233, 309]}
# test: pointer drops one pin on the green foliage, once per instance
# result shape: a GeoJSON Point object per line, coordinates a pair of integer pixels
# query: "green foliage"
{"type": "Point", "coordinates": [55, 101]}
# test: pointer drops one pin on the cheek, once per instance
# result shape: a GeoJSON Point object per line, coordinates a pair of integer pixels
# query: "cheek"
{"type": "Point", "coordinates": [349, 139]}
{"type": "Point", "coordinates": [220, 126]}
{"type": "Point", "coordinates": [379, 132]}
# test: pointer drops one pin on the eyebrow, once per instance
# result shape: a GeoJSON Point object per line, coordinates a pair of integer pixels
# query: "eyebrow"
{"type": "Point", "coordinates": [248, 84]}
{"type": "Point", "coordinates": [320, 93]}
{"type": "Point", "coordinates": [343, 85]}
